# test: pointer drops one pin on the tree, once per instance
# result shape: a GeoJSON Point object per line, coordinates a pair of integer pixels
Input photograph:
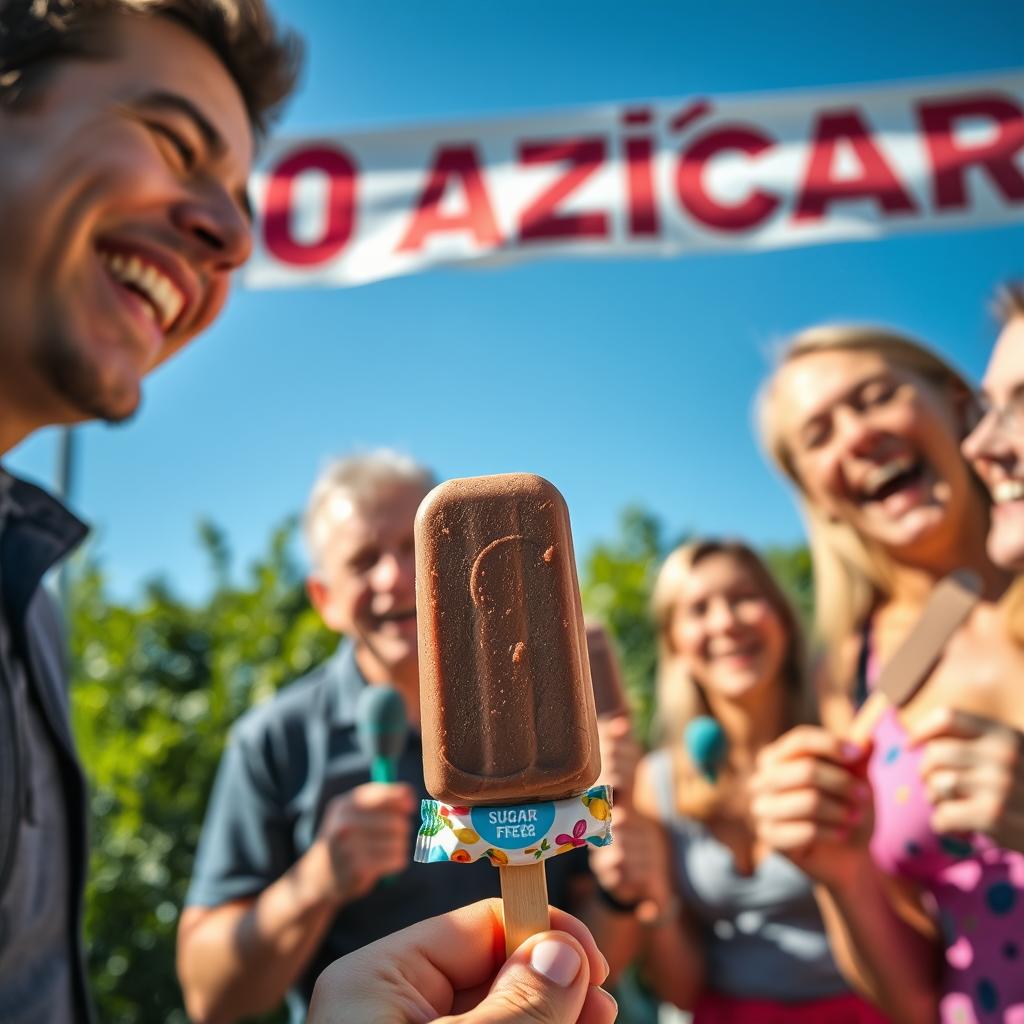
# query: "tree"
{"type": "Point", "coordinates": [156, 688]}
{"type": "Point", "coordinates": [791, 566]}
{"type": "Point", "coordinates": [615, 584]}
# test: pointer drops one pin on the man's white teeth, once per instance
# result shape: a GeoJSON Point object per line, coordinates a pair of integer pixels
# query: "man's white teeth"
{"type": "Point", "coordinates": [165, 301]}
{"type": "Point", "coordinates": [878, 478]}
{"type": "Point", "coordinates": [1008, 490]}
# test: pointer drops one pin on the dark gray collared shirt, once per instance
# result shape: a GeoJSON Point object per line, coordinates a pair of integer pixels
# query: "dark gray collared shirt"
{"type": "Point", "coordinates": [284, 761]}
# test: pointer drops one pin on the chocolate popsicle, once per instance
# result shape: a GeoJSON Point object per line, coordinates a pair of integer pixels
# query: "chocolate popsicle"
{"type": "Point", "coordinates": [609, 693]}
{"type": "Point", "coordinates": [506, 700]}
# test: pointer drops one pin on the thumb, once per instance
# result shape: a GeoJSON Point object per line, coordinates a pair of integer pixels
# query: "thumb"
{"type": "Point", "coordinates": [545, 981]}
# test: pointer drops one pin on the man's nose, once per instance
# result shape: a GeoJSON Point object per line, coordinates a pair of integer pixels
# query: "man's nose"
{"type": "Point", "coordinates": [395, 570]}
{"type": "Point", "coordinates": [386, 572]}
{"type": "Point", "coordinates": [216, 222]}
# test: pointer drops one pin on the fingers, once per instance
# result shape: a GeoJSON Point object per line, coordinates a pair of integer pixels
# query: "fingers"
{"type": "Point", "coordinates": [809, 790]}
{"type": "Point", "coordinates": [804, 772]}
{"type": "Point", "coordinates": [563, 922]}
{"type": "Point", "coordinates": [546, 981]}
{"type": "Point", "coordinates": [947, 722]}
{"type": "Point", "coordinates": [810, 741]}
{"type": "Point", "coordinates": [367, 834]}
{"type": "Point", "coordinates": [374, 813]}
{"type": "Point", "coordinates": [617, 727]}
{"type": "Point", "coordinates": [462, 950]}
{"type": "Point", "coordinates": [795, 820]}
{"type": "Point", "coordinates": [635, 864]}
{"type": "Point", "coordinates": [999, 746]}
{"type": "Point", "coordinates": [809, 774]}
{"type": "Point", "coordinates": [442, 939]}
{"type": "Point", "coordinates": [807, 805]}
{"type": "Point", "coordinates": [972, 774]}
{"type": "Point", "coordinates": [798, 836]}
{"type": "Point", "coordinates": [425, 970]}
{"type": "Point", "coordinates": [383, 796]}
{"type": "Point", "coordinates": [977, 813]}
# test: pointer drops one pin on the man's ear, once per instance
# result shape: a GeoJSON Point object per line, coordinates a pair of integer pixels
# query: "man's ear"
{"type": "Point", "coordinates": [320, 598]}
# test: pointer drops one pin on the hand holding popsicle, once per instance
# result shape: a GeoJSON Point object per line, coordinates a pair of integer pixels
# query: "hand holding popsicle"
{"type": "Point", "coordinates": [811, 788]}
{"type": "Point", "coordinates": [510, 742]}
{"type": "Point", "coordinates": [810, 800]}
{"type": "Point", "coordinates": [453, 964]}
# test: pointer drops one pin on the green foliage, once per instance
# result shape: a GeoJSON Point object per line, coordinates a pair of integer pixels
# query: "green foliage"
{"type": "Point", "coordinates": [158, 682]}
{"type": "Point", "coordinates": [156, 688]}
{"type": "Point", "coordinates": [615, 582]}
{"type": "Point", "coordinates": [792, 568]}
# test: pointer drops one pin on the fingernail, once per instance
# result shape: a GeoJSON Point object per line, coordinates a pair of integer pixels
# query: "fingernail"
{"type": "Point", "coordinates": [557, 961]}
{"type": "Point", "coordinates": [610, 999]}
{"type": "Point", "coordinates": [851, 751]}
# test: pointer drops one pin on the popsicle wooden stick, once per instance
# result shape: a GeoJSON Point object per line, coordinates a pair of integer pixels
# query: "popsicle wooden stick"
{"type": "Point", "coordinates": [950, 603]}
{"type": "Point", "coordinates": [524, 894]}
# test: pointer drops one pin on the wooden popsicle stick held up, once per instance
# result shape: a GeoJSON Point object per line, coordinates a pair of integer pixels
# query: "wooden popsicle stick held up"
{"type": "Point", "coordinates": [949, 605]}
{"type": "Point", "coordinates": [524, 894]}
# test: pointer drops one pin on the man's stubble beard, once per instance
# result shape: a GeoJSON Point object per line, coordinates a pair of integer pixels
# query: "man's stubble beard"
{"type": "Point", "coordinates": [76, 379]}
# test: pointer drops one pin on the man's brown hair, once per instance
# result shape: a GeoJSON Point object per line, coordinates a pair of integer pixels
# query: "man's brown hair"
{"type": "Point", "coordinates": [1009, 301]}
{"type": "Point", "coordinates": [263, 60]}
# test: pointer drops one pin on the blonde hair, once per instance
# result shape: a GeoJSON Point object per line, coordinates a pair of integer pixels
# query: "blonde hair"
{"type": "Point", "coordinates": [679, 697]}
{"type": "Point", "coordinates": [850, 574]}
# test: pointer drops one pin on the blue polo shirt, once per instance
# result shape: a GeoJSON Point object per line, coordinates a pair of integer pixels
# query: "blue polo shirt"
{"type": "Point", "coordinates": [283, 763]}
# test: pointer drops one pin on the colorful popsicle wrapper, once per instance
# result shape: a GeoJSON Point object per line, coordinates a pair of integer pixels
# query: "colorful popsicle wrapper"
{"type": "Point", "coordinates": [514, 834]}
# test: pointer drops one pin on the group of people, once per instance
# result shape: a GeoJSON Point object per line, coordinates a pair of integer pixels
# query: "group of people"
{"type": "Point", "coordinates": [803, 877]}
{"type": "Point", "coordinates": [817, 878]}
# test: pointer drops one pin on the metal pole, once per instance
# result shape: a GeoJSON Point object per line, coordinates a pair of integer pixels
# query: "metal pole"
{"type": "Point", "coordinates": [65, 481]}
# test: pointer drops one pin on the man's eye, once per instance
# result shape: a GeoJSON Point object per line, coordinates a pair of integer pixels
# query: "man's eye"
{"type": "Point", "coordinates": [364, 561]}
{"type": "Point", "coordinates": [185, 153]}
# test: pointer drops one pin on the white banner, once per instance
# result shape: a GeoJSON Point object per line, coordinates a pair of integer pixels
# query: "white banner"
{"type": "Point", "coordinates": [644, 179]}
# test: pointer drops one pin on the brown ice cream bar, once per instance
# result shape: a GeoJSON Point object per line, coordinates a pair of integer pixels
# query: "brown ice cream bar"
{"type": "Point", "coordinates": [948, 606]}
{"type": "Point", "coordinates": [609, 693]}
{"type": "Point", "coordinates": [506, 702]}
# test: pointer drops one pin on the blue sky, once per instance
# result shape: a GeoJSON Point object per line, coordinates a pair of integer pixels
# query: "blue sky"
{"type": "Point", "coordinates": [621, 381]}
